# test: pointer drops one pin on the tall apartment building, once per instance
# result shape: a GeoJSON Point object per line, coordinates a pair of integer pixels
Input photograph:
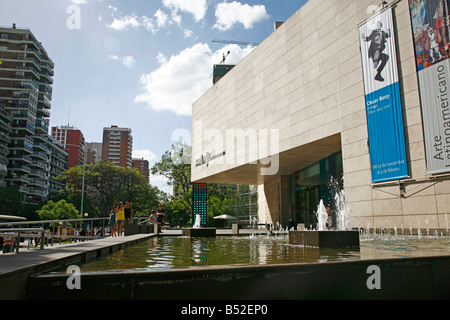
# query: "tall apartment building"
{"type": "Point", "coordinates": [73, 142]}
{"type": "Point", "coordinates": [26, 81]}
{"type": "Point", "coordinates": [5, 138]}
{"type": "Point", "coordinates": [58, 164]}
{"type": "Point", "coordinates": [117, 146]}
{"type": "Point", "coordinates": [94, 152]}
{"type": "Point", "coordinates": [143, 166]}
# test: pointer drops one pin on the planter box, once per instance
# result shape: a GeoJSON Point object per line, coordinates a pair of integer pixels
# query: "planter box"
{"type": "Point", "coordinates": [199, 232]}
{"type": "Point", "coordinates": [325, 239]}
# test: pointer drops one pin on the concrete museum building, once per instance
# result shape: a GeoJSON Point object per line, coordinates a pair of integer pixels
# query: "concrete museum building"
{"type": "Point", "coordinates": [346, 91]}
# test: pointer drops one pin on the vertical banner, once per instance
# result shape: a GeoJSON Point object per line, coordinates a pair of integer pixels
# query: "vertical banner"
{"type": "Point", "coordinates": [383, 104]}
{"type": "Point", "coordinates": [430, 24]}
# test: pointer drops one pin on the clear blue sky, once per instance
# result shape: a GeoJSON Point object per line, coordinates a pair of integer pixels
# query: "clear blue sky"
{"type": "Point", "coordinates": [139, 64]}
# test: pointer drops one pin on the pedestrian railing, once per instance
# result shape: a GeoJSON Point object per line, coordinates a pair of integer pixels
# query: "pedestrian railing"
{"type": "Point", "coordinates": [16, 233]}
{"type": "Point", "coordinates": [46, 231]}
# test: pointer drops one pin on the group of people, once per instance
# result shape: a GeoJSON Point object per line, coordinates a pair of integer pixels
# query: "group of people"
{"type": "Point", "coordinates": [157, 217]}
{"type": "Point", "coordinates": [118, 217]}
{"type": "Point", "coordinates": [121, 215]}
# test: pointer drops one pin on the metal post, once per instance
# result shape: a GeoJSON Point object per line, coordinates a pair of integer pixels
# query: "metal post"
{"type": "Point", "coordinates": [18, 242]}
{"type": "Point", "coordinates": [82, 184]}
{"type": "Point", "coordinates": [53, 235]}
{"type": "Point", "coordinates": [42, 238]}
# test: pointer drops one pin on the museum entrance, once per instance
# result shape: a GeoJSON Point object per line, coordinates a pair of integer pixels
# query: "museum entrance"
{"type": "Point", "coordinates": [312, 184]}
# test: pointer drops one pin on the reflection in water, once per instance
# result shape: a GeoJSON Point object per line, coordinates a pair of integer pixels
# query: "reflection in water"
{"type": "Point", "coordinates": [166, 253]}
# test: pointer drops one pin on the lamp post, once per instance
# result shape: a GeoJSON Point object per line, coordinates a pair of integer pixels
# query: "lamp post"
{"type": "Point", "coordinates": [82, 183]}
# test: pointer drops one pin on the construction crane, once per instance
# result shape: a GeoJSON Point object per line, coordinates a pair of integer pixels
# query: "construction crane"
{"type": "Point", "coordinates": [225, 57]}
{"type": "Point", "coordinates": [244, 43]}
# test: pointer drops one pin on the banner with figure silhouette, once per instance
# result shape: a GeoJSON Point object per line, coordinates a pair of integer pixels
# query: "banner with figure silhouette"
{"type": "Point", "coordinates": [430, 24]}
{"type": "Point", "coordinates": [383, 103]}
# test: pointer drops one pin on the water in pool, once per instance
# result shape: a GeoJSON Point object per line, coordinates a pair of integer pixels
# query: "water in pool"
{"type": "Point", "coordinates": [169, 253]}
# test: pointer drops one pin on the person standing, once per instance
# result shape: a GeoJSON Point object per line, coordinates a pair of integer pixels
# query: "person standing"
{"type": "Point", "coordinates": [113, 222]}
{"type": "Point", "coordinates": [160, 217]}
{"type": "Point", "coordinates": [128, 213]}
{"type": "Point", "coordinates": [120, 216]}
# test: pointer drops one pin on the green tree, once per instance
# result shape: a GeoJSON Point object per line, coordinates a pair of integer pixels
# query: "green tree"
{"type": "Point", "coordinates": [58, 211]}
{"type": "Point", "coordinates": [175, 167]}
{"type": "Point", "coordinates": [106, 185]}
{"type": "Point", "coordinates": [145, 199]}
{"type": "Point", "coordinates": [179, 213]}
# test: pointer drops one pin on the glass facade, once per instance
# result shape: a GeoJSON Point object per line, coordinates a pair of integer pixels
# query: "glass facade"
{"type": "Point", "coordinates": [244, 203]}
{"type": "Point", "coordinates": [312, 184]}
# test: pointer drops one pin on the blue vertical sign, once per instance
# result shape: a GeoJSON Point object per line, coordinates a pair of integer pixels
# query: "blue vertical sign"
{"type": "Point", "coordinates": [383, 104]}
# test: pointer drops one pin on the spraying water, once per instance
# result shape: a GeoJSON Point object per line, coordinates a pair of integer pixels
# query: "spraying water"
{"type": "Point", "coordinates": [342, 211]}
{"type": "Point", "coordinates": [322, 217]}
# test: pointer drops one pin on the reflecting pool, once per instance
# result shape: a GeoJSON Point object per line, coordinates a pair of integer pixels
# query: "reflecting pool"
{"type": "Point", "coordinates": [169, 253]}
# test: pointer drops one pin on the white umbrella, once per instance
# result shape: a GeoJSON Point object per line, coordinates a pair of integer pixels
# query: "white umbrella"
{"type": "Point", "coordinates": [225, 217]}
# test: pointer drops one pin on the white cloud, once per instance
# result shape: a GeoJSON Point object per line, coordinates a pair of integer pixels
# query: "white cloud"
{"type": "Point", "coordinates": [110, 7]}
{"type": "Point", "coordinates": [228, 14]}
{"type": "Point", "coordinates": [188, 33]}
{"type": "Point", "coordinates": [196, 7]}
{"type": "Point", "coordinates": [161, 58]}
{"type": "Point", "coordinates": [176, 18]}
{"type": "Point", "coordinates": [128, 61]}
{"type": "Point", "coordinates": [125, 23]}
{"type": "Point", "coordinates": [146, 154]}
{"type": "Point", "coordinates": [148, 24]}
{"type": "Point", "coordinates": [152, 24]}
{"type": "Point", "coordinates": [161, 18]}
{"type": "Point", "coordinates": [113, 57]}
{"type": "Point", "coordinates": [182, 79]}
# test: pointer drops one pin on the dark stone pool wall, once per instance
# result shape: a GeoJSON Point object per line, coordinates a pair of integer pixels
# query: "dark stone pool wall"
{"type": "Point", "coordinates": [402, 278]}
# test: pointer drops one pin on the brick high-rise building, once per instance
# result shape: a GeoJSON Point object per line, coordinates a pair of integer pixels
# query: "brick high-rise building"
{"type": "Point", "coordinates": [117, 146]}
{"type": "Point", "coordinates": [143, 166]}
{"type": "Point", "coordinates": [73, 141]}
{"type": "Point", "coordinates": [26, 73]}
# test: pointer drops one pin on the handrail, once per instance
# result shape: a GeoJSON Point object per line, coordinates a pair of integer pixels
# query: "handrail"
{"type": "Point", "coordinates": [19, 230]}
{"type": "Point", "coordinates": [50, 221]}
{"type": "Point", "coordinates": [9, 227]}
